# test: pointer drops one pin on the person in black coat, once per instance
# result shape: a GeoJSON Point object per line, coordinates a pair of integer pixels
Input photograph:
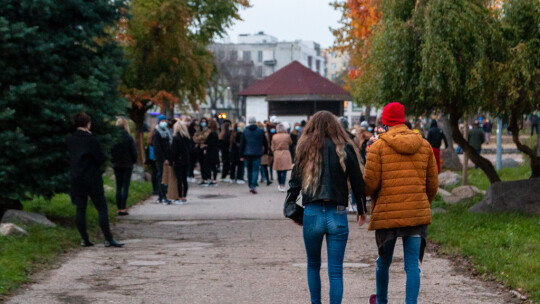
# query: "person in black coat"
{"type": "Point", "coordinates": [86, 158]}
{"type": "Point", "coordinates": [162, 141]}
{"type": "Point", "coordinates": [237, 165]}
{"type": "Point", "coordinates": [192, 129]}
{"type": "Point", "coordinates": [225, 147]}
{"type": "Point", "coordinates": [211, 153]}
{"type": "Point", "coordinates": [124, 155]}
{"type": "Point", "coordinates": [180, 159]}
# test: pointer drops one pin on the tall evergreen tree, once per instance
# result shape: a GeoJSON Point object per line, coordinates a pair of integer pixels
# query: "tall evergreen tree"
{"type": "Point", "coordinates": [57, 58]}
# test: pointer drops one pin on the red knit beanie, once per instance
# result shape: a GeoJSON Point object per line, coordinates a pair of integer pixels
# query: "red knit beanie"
{"type": "Point", "coordinates": [393, 114]}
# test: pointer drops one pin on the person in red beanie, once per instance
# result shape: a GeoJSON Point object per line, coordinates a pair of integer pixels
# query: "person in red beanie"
{"type": "Point", "coordinates": [402, 179]}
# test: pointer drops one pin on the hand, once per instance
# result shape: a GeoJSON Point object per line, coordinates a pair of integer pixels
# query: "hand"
{"type": "Point", "coordinates": [241, 159]}
{"type": "Point", "coordinates": [361, 219]}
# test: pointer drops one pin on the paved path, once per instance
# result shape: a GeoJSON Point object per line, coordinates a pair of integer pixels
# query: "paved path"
{"type": "Point", "coordinates": [228, 246]}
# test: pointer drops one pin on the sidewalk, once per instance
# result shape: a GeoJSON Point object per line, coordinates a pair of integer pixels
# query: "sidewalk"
{"type": "Point", "coordinates": [234, 248]}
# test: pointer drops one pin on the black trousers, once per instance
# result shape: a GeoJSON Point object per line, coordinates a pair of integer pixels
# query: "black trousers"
{"type": "Point", "coordinates": [155, 185]}
{"type": "Point", "coordinates": [226, 160]}
{"type": "Point", "coordinates": [181, 172]}
{"type": "Point", "coordinates": [123, 178]}
{"type": "Point", "coordinates": [210, 170]}
{"type": "Point", "coordinates": [162, 188]}
{"type": "Point", "coordinates": [203, 164]}
{"type": "Point", "coordinates": [237, 170]}
{"type": "Point", "coordinates": [81, 201]}
{"type": "Point", "coordinates": [192, 163]}
{"type": "Point", "coordinates": [534, 127]}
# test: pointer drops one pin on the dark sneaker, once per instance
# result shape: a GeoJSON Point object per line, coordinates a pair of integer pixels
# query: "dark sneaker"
{"type": "Point", "coordinates": [123, 213]}
{"type": "Point", "coordinates": [212, 184]}
{"type": "Point", "coordinates": [203, 184]}
{"type": "Point", "coordinates": [113, 243]}
{"type": "Point", "coordinates": [86, 243]}
{"type": "Point", "coordinates": [166, 202]}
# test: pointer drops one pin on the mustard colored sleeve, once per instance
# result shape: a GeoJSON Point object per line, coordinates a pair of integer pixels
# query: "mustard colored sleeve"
{"type": "Point", "coordinates": [372, 173]}
{"type": "Point", "coordinates": [432, 177]}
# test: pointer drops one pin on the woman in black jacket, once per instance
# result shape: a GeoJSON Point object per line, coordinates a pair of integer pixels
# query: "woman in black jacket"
{"type": "Point", "coordinates": [237, 165]}
{"type": "Point", "coordinates": [180, 159]}
{"type": "Point", "coordinates": [326, 161]}
{"type": "Point", "coordinates": [124, 155]}
{"type": "Point", "coordinates": [86, 158]}
{"type": "Point", "coordinates": [225, 147]}
{"type": "Point", "coordinates": [211, 153]}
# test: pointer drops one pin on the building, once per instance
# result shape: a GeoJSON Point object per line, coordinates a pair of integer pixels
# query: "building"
{"type": "Point", "coordinates": [337, 64]}
{"type": "Point", "coordinates": [253, 58]}
{"type": "Point", "coordinates": [292, 94]}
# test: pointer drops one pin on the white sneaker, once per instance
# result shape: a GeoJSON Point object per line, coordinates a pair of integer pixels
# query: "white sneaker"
{"type": "Point", "coordinates": [192, 180]}
{"type": "Point", "coordinates": [196, 172]}
{"type": "Point", "coordinates": [177, 202]}
{"type": "Point", "coordinates": [240, 182]}
{"type": "Point", "coordinates": [226, 180]}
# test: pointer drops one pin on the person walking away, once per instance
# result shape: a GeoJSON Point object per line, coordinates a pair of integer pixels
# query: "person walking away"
{"type": "Point", "coordinates": [150, 160]}
{"type": "Point", "coordinates": [281, 143]}
{"type": "Point", "coordinates": [488, 128]}
{"type": "Point", "coordinates": [124, 156]}
{"type": "Point", "coordinates": [534, 122]}
{"type": "Point", "coordinates": [180, 159]}
{"type": "Point", "coordinates": [401, 178]}
{"type": "Point", "coordinates": [435, 137]}
{"type": "Point", "coordinates": [211, 153]}
{"type": "Point", "coordinates": [162, 140]}
{"type": "Point", "coordinates": [86, 158]}
{"type": "Point", "coordinates": [253, 145]}
{"type": "Point", "coordinates": [365, 135]}
{"type": "Point", "coordinates": [192, 129]}
{"type": "Point", "coordinates": [237, 165]}
{"type": "Point", "coordinates": [199, 138]}
{"type": "Point", "coordinates": [271, 131]}
{"type": "Point", "coordinates": [326, 161]}
{"type": "Point", "coordinates": [294, 137]}
{"type": "Point", "coordinates": [476, 138]}
{"type": "Point", "coordinates": [225, 147]}
{"type": "Point", "coordinates": [265, 159]}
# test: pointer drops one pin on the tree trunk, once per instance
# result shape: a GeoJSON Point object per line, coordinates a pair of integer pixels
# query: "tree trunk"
{"type": "Point", "coordinates": [447, 129]}
{"type": "Point", "coordinates": [483, 163]}
{"type": "Point", "coordinates": [531, 153]}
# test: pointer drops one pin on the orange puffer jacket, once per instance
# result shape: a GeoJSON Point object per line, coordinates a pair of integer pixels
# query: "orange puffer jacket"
{"type": "Point", "coordinates": [401, 173]}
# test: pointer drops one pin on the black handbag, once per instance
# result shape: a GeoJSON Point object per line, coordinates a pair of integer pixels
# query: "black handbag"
{"type": "Point", "coordinates": [293, 211]}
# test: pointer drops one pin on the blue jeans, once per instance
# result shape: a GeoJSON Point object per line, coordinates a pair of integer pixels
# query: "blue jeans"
{"type": "Point", "coordinates": [411, 250]}
{"type": "Point", "coordinates": [282, 177]}
{"type": "Point", "coordinates": [253, 164]}
{"type": "Point", "coordinates": [321, 220]}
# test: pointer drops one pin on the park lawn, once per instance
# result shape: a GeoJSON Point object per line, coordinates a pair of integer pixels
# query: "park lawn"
{"type": "Point", "coordinates": [22, 256]}
{"type": "Point", "coordinates": [505, 246]}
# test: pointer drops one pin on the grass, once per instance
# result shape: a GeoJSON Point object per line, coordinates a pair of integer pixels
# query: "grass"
{"type": "Point", "coordinates": [22, 256]}
{"type": "Point", "coordinates": [504, 246]}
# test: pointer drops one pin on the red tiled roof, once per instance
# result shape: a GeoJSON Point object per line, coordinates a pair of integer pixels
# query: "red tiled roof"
{"type": "Point", "coordinates": [294, 79]}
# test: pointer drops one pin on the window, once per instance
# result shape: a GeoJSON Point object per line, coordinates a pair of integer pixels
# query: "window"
{"type": "Point", "coordinates": [234, 55]}
{"type": "Point", "coordinates": [260, 56]}
{"type": "Point", "coordinates": [310, 61]}
{"type": "Point", "coordinates": [246, 56]}
{"type": "Point", "coordinates": [259, 72]}
{"type": "Point", "coordinates": [333, 66]}
{"type": "Point", "coordinates": [318, 65]}
{"type": "Point", "coordinates": [333, 54]}
{"type": "Point", "coordinates": [333, 76]}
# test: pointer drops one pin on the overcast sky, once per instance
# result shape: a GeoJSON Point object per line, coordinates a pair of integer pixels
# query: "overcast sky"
{"type": "Point", "coordinates": [288, 20]}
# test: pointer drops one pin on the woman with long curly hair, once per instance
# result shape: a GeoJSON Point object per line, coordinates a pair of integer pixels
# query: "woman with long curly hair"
{"type": "Point", "coordinates": [326, 164]}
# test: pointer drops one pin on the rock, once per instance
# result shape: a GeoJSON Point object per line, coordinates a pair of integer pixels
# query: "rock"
{"type": "Point", "coordinates": [443, 192]}
{"type": "Point", "coordinates": [10, 229]}
{"type": "Point", "coordinates": [147, 177]}
{"type": "Point", "coordinates": [138, 174]}
{"type": "Point", "coordinates": [449, 178]}
{"type": "Point", "coordinates": [26, 218]}
{"type": "Point", "coordinates": [514, 196]}
{"type": "Point", "coordinates": [452, 199]}
{"type": "Point", "coordinates": [465, 192]}
{"type": "Point", "coordinates": [510, 163]}
{"type": "Point", "coordinates": [450, 160]}
{"type": "Point", "coordinates": [437, 210]}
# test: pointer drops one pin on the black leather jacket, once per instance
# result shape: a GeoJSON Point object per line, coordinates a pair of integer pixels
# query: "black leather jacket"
{"type": "Point", "coordinates": [333, 182]}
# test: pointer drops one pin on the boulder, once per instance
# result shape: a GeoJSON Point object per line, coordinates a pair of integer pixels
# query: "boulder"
{"type": "Point", "coordinates": [452, 199]}
{"type": "Point", "coordinates": [450, 160]}
{"type": "Point", "coordinates": [444, 193]}
{"type": "Point", "coordinates": [510, 163]}
{"type": "Point", "coordinates": [449, 178]}
{"type": "Point", "coordinates": [148, 177]}
{"type": "Point", "coordinates": [437, 210]}
{"type": "Point", "coordinates": [465, 192]}
{"type": "Point", "coordinates": [26, 218]}
{"type": "Point", "coordinates": [514, 196]}
{"type": "Point", "coordinates": [138, 174]}
{"type": "Point", "coordinates": [10, 229]}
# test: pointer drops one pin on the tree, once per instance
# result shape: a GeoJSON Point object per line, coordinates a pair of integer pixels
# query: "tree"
{"type": "Point", "coordinates": [166, 46]}
{"type": "Point", "coordinates": [57, 59]}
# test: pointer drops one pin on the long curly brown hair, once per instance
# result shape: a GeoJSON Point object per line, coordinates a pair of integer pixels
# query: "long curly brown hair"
{"type": "Point", "coordinates": [310, 147]}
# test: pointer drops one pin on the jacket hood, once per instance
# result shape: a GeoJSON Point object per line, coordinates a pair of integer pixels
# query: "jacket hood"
{"type": "Point", "coordinates": [403, 140]}
{"type": "Point", "coordinates": [252, 127]}
{"type": "Point", "coordinates": [434, 124]}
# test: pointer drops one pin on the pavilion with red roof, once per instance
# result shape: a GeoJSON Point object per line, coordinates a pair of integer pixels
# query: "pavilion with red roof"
{"type": "Point", "coordinates": [292, 94]}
